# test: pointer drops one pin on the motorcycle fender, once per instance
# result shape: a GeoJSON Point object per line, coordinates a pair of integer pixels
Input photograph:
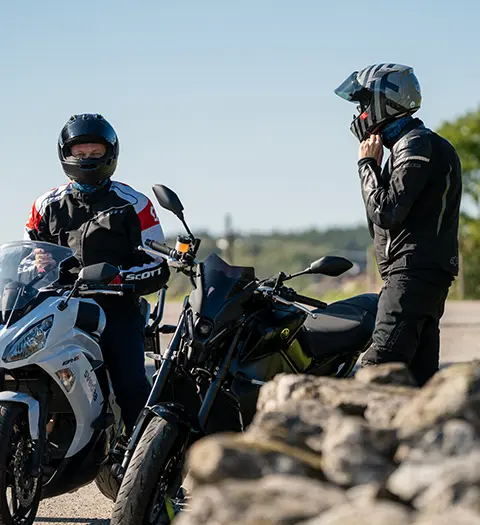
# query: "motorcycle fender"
{"type": "Point", "coordinates": [175, 414]}
{"type": "Point", "coordinates": [33, 409]}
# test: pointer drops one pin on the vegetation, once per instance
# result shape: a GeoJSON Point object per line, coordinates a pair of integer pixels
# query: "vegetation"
{"type": "Point", "coordinates": [290, 252]}
{"type": "Point", "coordinates": [464, 134]}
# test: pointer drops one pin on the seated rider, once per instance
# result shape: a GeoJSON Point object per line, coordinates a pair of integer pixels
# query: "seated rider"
{"type": "Point", "coordinates": [105, 221]}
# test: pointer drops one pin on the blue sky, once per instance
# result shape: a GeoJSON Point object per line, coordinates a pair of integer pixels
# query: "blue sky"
{"type": "Point", "coordinates": [229, 103]}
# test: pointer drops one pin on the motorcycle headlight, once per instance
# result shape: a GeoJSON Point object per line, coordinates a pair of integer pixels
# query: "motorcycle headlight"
{"type": "Point", "coordinates": [30, 342]}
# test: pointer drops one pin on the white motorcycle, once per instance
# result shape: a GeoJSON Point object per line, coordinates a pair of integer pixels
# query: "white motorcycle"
{"type": "Point", "coordinates": [59, 423]}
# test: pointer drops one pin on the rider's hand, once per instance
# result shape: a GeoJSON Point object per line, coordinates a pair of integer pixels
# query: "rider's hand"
{"type": "Point", "coordinates": [43, 260]}
{"type": "Point", "coordinates": [372, 147]}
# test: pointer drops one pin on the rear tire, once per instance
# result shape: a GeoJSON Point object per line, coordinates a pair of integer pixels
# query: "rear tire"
{"type": "Point", "coordinates": [15, 449]}
{"type": "Point", "coordinates": [106, 482]}
{"type": "Point", "coordinates": [140, 499]}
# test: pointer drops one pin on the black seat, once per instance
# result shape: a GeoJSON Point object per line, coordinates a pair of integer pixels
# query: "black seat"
{"type": "Point", "coordinates": [343, 327]}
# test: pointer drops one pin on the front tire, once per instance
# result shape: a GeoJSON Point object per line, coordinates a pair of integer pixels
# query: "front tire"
{"type": "Point", "coordinates": [16, 447]}
{"type": "Point", "coordinates": [141, 498]}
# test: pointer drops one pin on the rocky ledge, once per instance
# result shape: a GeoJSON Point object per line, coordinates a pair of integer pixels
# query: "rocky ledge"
{"type": "Point", "coordinates": [364, 451]}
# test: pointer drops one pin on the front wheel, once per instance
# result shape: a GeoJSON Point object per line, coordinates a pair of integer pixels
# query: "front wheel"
{"type": "Point", "coordinates": [142, 498]}
{"type": "Point", "coordinates": [19, 490]}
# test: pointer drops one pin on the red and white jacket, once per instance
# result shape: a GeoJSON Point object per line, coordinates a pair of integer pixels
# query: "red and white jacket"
{"type": "Point", "coordinates": [105, 226]}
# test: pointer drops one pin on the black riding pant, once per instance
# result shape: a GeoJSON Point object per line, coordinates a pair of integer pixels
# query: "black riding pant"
{"type": "Point", "coordinates": [122, 345]}
{"type": "Point", "coordinates": [407, 326]}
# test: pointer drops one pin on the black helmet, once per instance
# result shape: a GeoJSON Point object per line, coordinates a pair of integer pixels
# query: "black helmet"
{"type": "Point", "coordinates": [383, 93]}
{"type": "Point", "coordinates": [81, 129]}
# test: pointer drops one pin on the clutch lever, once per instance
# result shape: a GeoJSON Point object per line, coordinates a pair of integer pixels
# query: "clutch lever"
{"type": "Point", "coordinates": [281, 300]}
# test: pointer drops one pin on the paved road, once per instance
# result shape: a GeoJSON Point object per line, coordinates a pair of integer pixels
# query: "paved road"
{"type": "Point", "coordinates": [460, 342]}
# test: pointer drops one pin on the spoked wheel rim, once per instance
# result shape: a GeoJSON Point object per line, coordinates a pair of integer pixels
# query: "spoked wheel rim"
{"type": "Point", "coordinates": [157, 511]}
{"type": "Point", "coordinates": [20, 486]}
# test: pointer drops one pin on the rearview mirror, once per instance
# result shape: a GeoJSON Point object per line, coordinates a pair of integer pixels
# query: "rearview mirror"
{"type": "Point", "coordinates": [168, 199]}
{"type": "Point", "coordinates": [101, 273]}
{"type": "Point", "coordinates": [330, 265]}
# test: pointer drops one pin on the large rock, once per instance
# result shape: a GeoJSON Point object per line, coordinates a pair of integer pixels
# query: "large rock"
{"type": "Point", "coordinates": [220, 457]}
{"type": "Point", "coordinates": [376, 513]}
{"type": "Point", "coordinates": [356, 454]}
{"type": "Point", "coordinates": [413, 478]}
{"type": "Point", "coordinates": [379, 404]}
{"type": "Point", "coordinates": [298, 423]}
{"type": "Point", "coordinates": [386, 374]}
{"type": "Point", "coordinates": [455, 516]}
{"type": "Point", "coordinates": [453, 392]}
{"type": "Point", "coordinates": [454, 437]}
{"type": "Point", "coordinates": [282, 500]}
{"type": "Point", "coordinates": [439, 468]}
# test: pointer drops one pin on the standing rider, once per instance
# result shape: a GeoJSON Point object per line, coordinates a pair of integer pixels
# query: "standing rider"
{"type": "Point", "coordinates": [413, 208]}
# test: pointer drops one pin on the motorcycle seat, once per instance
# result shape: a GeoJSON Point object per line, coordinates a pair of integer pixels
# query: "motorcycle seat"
{"type": "Point", "coordinates": [343, 327]}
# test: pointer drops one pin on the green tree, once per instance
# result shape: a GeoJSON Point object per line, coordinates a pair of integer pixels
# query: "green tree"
{"type": "Point", "coordinates": [464, 134]}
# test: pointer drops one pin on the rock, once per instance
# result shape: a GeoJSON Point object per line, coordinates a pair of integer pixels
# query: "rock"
{"type": "Point", "coordinates": [413, 478]}
{"type": "Point", "coordinates": [455, 516]}
{"type": "Point", "coordinates": [367, 494]}
{"type": "Point", "coordinates": [223, 456]}
{"type": "Point", "coordinates": [298, 423]}
{"type": "Point", "coordinates": [272, 500]}
{"type": "Point", "coordinates": [451, 438]}
{"type": "Point", "coordinates": [443, 495]}
{"type": "Point", "coordinates": [347, 395]}
{"type": "Point", "coordinates": [379, 513]}
{"type": "Point", "coordinates": [453, 392]}
{"type": "Point", "coordinates": [355, 454]}
{"type": "Point", "coordinates": [386, 374]}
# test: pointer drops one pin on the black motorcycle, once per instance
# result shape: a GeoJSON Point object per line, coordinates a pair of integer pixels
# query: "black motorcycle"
{"type": "Point", "coordinates": [235, 333]}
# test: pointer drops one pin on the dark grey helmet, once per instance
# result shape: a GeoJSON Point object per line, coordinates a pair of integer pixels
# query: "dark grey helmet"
{"type": "Point", "coordinates": [383, 93]}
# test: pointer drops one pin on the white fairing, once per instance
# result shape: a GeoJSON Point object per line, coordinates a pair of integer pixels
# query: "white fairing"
{"type": "Point", "coordinates": [66, 347]}
{"type": "Point", "coordinates": [33, 409]}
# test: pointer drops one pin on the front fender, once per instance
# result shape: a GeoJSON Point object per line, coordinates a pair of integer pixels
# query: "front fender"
{"type": "Point", "coordinates": [175, 414]}
{"type": "Point", "coordinates": [33, 409]}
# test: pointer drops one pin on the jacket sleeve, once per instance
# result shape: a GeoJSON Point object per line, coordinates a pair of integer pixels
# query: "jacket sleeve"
{"type": "Point", "coordinates": [36, 228]}
{"type": "Point", "coordinates": [388, 204]}
{"type": "Point", "coordinates": [149, 274]}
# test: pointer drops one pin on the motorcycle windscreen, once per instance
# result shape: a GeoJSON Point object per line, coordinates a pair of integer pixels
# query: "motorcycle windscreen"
{"type": "Point", "coordinates": [25, 268]}
{"type": "Point", "coordinates": [218, 282]}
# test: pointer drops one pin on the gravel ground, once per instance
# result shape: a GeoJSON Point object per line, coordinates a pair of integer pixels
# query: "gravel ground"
{"type": "Point", "coordinates": [460, 339]}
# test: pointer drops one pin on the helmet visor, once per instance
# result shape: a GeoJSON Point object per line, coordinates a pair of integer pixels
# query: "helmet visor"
{"type": "Point", "coordinates": [352, 91]}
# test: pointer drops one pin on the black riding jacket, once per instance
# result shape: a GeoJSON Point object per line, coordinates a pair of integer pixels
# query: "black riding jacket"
{"type": "Point", "coordinates": [105, 226]}
{"type": "Point", "coordinates": [413, 204]}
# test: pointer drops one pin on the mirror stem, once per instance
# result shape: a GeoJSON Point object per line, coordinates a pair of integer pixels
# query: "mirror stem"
{"type": "Point", "coordinates": [185, 225]}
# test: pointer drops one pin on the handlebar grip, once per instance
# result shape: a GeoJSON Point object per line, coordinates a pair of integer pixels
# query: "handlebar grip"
{"type": "Point", "coordinates": [316, 303]}
{"type": "Point", "coordinates": [162, 248]}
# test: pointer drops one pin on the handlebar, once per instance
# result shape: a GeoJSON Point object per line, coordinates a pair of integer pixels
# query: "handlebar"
{"type": "Point", "coordinates": [290, 297]}
{"type": "Point", "coordinates": [90, 289]}
{"type": "Point", "coordinates": [316, 303]}
{"type": "Point", "coordinates": [161, 248]}
{"type": "Point", "coordinates": [178, 259]}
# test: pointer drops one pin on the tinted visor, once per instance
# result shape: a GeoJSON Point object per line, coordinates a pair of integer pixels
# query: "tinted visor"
{"type": "Point", "coordinates": [351, 90]}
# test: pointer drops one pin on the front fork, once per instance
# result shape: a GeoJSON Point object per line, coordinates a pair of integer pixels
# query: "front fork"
{"type": "Point", "coordinates": [161, 380]}
{"type": "Point", "coordinates": [37, 455]}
